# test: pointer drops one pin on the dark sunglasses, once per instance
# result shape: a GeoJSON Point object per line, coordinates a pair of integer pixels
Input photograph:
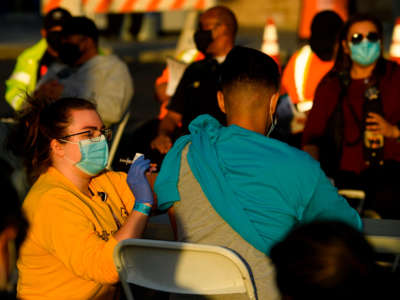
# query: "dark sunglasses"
{"type": "Point", "coordinates": [358, 37]}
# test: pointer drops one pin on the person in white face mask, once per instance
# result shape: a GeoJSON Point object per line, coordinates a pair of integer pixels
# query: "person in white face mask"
{"type": "Point", "coordinates": [77, 210]}
{"type": "Point", "coordinates": [352, 128]}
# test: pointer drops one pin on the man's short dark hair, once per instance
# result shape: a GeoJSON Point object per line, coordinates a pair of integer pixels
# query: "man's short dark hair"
{"type": "Point", "coordinates": [249, 66]}
{"type": "Point", "coordinates": [325, 260]}
{"type": "Point", "coordinates": [81, 25]}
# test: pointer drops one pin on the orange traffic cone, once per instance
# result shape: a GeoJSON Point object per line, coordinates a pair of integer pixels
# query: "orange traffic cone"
{"type": "Point", "coordinates": [270, 44]}
{"type": "Point", "coordinates": [394, 51]}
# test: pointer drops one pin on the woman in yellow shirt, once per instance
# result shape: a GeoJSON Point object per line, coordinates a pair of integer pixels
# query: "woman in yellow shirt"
{"type": "Point", "coordinates": [77, 211]}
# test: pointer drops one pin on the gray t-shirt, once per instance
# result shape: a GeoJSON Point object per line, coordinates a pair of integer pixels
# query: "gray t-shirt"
{"type": "Point", "coordinates": [198, 222]}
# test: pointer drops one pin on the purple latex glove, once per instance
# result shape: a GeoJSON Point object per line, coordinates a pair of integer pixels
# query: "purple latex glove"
{"type": "Point", "coordinates": [138, 182]}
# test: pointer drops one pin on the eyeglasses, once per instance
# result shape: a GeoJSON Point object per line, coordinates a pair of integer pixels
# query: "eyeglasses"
{"type": "Point", "coordinates": [92, 134]}
{"type": "Point", "coordinates": [359, 37]}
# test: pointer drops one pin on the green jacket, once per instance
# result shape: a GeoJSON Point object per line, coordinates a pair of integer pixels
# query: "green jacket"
{"type": "Point", "coordinates": [24, 76]}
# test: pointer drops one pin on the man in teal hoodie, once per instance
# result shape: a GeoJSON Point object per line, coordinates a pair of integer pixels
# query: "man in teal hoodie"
{"type": "Point", "coordinates": [235, 187]}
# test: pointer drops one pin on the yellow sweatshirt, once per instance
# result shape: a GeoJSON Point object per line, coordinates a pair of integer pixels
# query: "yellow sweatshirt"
{"type": "Point", "coordinates": [69, 247]}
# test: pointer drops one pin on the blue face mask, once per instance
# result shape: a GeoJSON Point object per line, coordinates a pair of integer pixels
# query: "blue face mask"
{"type": "Point", "coordinates": [94, 155]}
{"type": "Point", "coordinates": [366, 52]}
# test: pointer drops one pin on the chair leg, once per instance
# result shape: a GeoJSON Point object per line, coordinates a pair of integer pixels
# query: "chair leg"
{"type": "Point", "coordinates": [396, 263]}
{"type": "Point", "coordinates": [127, 290]}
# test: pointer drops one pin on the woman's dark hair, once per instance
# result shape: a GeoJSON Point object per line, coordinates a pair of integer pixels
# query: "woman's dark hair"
{"type": "Point", "coordinates": [38, 123]}
{"type": "Point", "coordinates": [343, 61]}
{"type": "Point", "coordinates": [324, 260]}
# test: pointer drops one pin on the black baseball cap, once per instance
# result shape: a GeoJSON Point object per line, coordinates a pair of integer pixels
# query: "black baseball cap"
{"type": "Point", "coordinates": [56, 17]}
{"type": "Point", "coordinates": [80, 25]}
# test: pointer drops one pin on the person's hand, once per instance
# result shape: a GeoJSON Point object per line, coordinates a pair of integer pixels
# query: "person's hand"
{"type": "Point", "coordinates": [51, 89]}
{"type": "Point", "coordinates": [138, 182]}
{"type": "Point", "coordinates": [162, 143]}
{"type": "Point", "coordinates": [298, 122]}
{"type": "Point", "coordinates": [161, 93]}
{"type": "Point", "coordinates": [380, 126]}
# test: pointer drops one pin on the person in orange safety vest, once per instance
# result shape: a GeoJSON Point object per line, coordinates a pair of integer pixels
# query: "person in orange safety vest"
{"type": "Point", "coordinates": [310, 64]}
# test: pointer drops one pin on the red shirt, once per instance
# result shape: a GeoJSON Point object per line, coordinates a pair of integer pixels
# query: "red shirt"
{"type": "Point", "coordinates": [326, 97]}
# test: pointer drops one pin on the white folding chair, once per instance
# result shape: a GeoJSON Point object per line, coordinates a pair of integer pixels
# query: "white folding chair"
{"type": "Point", "coordinates": [357, 195]}
{"type": "Point", "coordinates": [116, 139]}
{"type": "Point", "coordinates": [181, 268]}
{"type": "Point", "coordinates": [384, 236]}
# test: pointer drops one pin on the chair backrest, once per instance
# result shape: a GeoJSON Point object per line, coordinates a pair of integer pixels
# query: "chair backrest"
{"type": "Point", "coordinates": [184, 268]}
{"type": "Point", "coordinates": [357, 196]}
{"type": "Point", "coordinates": [116, 138]}
{"type": "Point", "coordinates": [384, 236]}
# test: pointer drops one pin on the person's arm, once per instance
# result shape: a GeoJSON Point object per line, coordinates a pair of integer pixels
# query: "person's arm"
{"type": "Point", "coordinates": [17, 86]}
{"type": "Point", "coordinates": [379, 125]}
{"type": "Point", "coordinates": [173, 119]}
{"type": "Point", "coordinates": [23, 78]}
{"type": "Point", "coordinates": [172, 221]}
{"type": "Point", "coordinates": [160, 87]}
{"type": "Point", "coordinates": [168, 124]}
{"type": "Point", "coordinates": [140, 187]}
{"type": "Point", "coordinates": [327, 204]}
{"type": "Point", "coordinates": [326, 97]}
{"type": "Point", "coordinates": [134, 226]}
{"type": "Point", "coordinates": [63, 228]}
{"type": "Point", "coordinates": [161, 93]}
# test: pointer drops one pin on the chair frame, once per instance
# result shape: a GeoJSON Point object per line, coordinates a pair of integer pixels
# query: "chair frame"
{"type": "Point", "coordinates": [117, 138]}
{"type": "Point", "coordinates": [384, 236]}
{"type": "Point", "coordinates": [242, 283]}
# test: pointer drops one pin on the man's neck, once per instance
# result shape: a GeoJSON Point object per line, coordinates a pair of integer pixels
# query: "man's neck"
{"type": "Point", "coordinates": [223, 51]}
{"type": "Point", "coordinates": [255, 123]}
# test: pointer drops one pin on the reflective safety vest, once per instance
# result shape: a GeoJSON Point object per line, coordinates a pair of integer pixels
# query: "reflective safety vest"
{"type": "Point", "coordinates": [302, 75]}
{"type": "Point", "coordinates": [394, 51]}
{"type": "Point", "coordinates": [24, 76]}
{"type": "Point", "coordinates": [309, 8]}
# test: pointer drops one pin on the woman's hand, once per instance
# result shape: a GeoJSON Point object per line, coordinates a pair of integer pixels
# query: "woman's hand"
{"type": "Point", "coordinates": [381, 126]}
{"type": "Point", "coordinates": [138, 182]}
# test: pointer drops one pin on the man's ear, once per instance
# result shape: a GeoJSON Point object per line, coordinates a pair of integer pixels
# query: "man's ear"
{"type": "Point", "coordinates": [221, 101]}
{"type": "Point", "coordinates": [273, 103]}
{"type": "Point", "coordinates": [56, 148]}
